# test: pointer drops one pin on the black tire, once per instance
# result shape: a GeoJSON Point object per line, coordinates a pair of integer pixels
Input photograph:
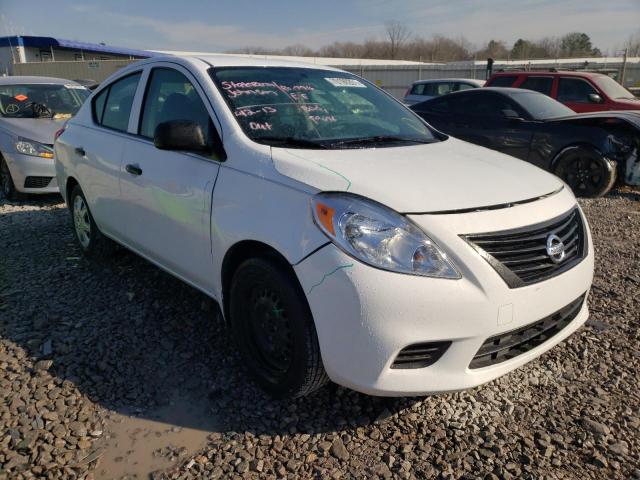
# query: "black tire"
{"type": "Point", "coordinates": [7, 187]}
{"type": "Point", "coordinates": [274, 329]}
{"type": "Point", "coordinates": [586, 171]}
{"type": "Point", "coordinates": [90, 240]}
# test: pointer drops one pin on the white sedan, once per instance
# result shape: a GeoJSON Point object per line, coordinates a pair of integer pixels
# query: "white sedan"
{"type": "Point", "coordinates": [343, 237]}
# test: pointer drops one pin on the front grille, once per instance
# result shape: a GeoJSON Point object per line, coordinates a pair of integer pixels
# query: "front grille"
{"type": "Point", "coordinates": [506, 346]}
{"type": "Point", "coordinates": [420, 355]}
{"type": "Point", "coordinates": [36, 182]}
{"type": "Point", "coordinates": [520, 256]}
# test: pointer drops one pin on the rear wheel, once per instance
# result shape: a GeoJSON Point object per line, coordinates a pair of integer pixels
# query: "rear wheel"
{"type": "Point", "coordinates": [6, 182]}
{"type": "Point", "coordinates": [586, 171]}
{"type": "Point", "coordinates": [89, 238]}
{"type": "Point", "coordinates": [274, 330]}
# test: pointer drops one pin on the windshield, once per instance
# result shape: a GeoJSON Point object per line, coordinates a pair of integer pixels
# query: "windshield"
{"type": "Point", "coordinates": [41, 100]}
{"type": "Point", "coordinates": [541, 107]}
{"type": "Point", "coordinates": [613, 89]}
{"type": "Point", "coordinates": [310, 108]}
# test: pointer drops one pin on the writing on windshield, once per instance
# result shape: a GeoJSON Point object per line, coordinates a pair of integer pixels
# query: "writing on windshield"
{"type": "Point", "coordinates": [280, 104]}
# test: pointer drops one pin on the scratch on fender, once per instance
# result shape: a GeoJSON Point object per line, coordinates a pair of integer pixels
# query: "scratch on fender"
{"type": "Point", "coordinates": [349, 265]}
{"type": "Point", "coordinates": [337, 173]}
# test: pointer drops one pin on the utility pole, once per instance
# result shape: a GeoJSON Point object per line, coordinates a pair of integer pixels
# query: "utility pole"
{"type": "Point", "coordinates": [623, 70]}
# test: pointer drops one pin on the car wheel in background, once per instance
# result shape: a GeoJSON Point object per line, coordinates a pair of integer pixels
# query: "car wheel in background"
{"type": "Point", "coordinates": [586, 171]}
{"type": "Point", "coordinates": [274, 330]}
{"type": "Point", "coordinates": [7, 187]}
{"type": "Point", "coordinates": [87, 234]}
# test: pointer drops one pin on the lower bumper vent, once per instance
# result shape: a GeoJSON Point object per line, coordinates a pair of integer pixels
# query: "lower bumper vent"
{"type": "Point", "coordinates": [420, 355]}
{"type": "Point", "coordinates": [36, 182]}
{"type": "Point", "coordinates": [506, 346]}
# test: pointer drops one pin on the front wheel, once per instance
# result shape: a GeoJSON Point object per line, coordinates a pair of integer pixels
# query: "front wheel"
{"type": "Point", "coordinates": [6, 182]}
{"type": "Point", "coordinates": [586, 171]}
{"type": "Point", "coordinates": [274, 330]}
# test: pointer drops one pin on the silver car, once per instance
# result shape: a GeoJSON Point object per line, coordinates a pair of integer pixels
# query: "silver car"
{"type": "Point", "coordinates": [427, 89]}
{"type": "Point", "coordinates": [32, 110]}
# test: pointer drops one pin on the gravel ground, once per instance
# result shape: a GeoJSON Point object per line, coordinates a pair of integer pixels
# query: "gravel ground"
{"type": "Point", "coordinates": [80, 340]}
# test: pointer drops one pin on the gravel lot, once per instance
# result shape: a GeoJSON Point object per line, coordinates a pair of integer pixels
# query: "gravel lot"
{"type": "Point", "coordinates": [82, 341]}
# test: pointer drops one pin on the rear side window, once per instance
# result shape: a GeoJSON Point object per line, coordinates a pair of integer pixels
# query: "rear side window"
{"type": "Point", "coordinates": [538, 84]}
{"type": "Point", "coordinates": [503, 81]}
{"type": "Point", "coordinates": [171, 96]}
{"type": "Point", "coordinates": [484, 104]}
{"type": "Point", "coordinates": [464, 86]}
{"type": "Point", "coordinates": [574, 90]}
{"type": "Point", "coordinates": [417, 89]}
{"type": "Point", "coordinates": [114, 110]}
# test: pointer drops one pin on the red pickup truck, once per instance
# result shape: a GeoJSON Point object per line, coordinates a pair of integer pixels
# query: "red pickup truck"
{"type": "Point", "coordinates": [580, 91]}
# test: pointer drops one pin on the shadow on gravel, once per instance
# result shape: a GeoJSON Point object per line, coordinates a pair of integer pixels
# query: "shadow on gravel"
{"type": "Point", "coordinates": [130, 336]}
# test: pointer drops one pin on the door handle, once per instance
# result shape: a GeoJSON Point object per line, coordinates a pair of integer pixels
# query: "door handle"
{"type": "Point", "coordinates": [133, 169]}
{"type": "Point", "coordinates": [80, 151]}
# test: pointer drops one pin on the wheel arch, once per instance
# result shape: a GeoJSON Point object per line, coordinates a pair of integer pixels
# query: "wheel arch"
{"type": "Point", "coordinates": [567, 148]}
{"type": "Point", "coordinates": [68, 188]}
{"type": "Point", "coordinates": [238, 253]}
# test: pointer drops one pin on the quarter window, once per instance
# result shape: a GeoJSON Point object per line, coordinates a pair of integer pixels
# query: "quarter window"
{"type": "Point", "coordinates": [112, 107]}
{"type": "Point", "coordinates": [538, 84]}
{"type": "Point", "coordinates": [574, 90]}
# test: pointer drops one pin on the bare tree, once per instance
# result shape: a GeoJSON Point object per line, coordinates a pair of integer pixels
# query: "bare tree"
{"type": "Point", "coordinates": [398, 34]}
{"type": "Point", "coordinates": [633, 45]}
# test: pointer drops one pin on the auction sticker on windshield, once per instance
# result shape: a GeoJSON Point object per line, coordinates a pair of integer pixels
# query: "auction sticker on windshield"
{"type": "Point", "coordinates": [345, 82]}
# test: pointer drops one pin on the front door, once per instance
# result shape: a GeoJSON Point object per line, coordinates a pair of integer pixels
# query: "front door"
{"type": "Point", "coordinates": [168, 194]}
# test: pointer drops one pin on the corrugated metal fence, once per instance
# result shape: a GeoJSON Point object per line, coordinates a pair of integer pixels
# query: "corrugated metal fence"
{"type": "Point", "coordinates": [395, 79]}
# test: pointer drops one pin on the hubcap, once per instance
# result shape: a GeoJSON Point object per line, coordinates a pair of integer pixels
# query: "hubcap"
{"type": "Point", "coordinates": [270, 331]}
{"type": "Point", "coordinates": [81, 221]}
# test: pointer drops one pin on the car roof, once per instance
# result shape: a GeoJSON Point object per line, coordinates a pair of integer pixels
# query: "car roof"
{"type": "Point", "coordinates": [230, 60]}
{"type": "Point", "coordinates": [475, 81]}
{"type": "Point", "coordinates": [21, 80]}
{"type": "Point", "coordinates": [549, 73]}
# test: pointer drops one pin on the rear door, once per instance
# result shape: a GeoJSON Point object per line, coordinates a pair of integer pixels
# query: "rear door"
{"type": "Point", "coordinates": [167, 194]}
{"type": "Point", "coordinates": [574, 92]}
{"type": "Point", "coordinates": [98, 148]}
{"type": "Point", "coordinates": [542, 84]}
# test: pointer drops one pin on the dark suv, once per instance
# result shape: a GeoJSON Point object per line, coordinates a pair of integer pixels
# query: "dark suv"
{"type": "Point", "coordinates": [580, 91]}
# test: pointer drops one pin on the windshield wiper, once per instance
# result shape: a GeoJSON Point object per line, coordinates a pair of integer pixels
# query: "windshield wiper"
{"type": "Point", "coordinates": [378, 139]}
{"type": "Point", "coordinates": [291, 141]}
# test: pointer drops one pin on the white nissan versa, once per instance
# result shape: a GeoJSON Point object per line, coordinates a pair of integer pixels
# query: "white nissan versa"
{"type": "Point", "coordinates": [344, 238]}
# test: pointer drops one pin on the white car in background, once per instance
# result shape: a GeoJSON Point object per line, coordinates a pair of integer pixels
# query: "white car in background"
{"type": "Point", "coordinates": [427, 89]}
{"type": "Point", "coordinates": [32, 109]}
{"type": "Point", "coordinates": [343, 238]}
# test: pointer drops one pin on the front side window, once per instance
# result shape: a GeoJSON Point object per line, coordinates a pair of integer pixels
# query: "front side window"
{"type": "Point", "coordinates": [418, 89]}
{"type": "Point", "coordinates": [312, 108]}
{"type": "Point", "coordinates": [542, 107]}
{"type": "Point", "coordinates": [41, 100]}
{"type": "Point", "coordinates": [538, 84]}
{"type": "Point", "coordinates": [171, 96]}
{"type": "Point", "coordinates": [464, 86]}
{"type": "Point", "coordinates": [574, 90]}
{"type": "Point", "coordinates": [485, 105]}
{"type": "Point", "coordinates": [114, 110]}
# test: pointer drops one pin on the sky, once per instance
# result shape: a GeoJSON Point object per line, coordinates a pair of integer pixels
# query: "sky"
{"type": "Point", "coordinates": [223, 25]}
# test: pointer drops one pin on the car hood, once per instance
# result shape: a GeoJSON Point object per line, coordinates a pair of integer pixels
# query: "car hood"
{"type": "Point", "coordinates": [443, 176]}
{"type": "Point", "coordinates": [39, 129]}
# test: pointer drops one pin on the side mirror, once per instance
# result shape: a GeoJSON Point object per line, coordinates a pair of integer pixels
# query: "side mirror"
{"type": "Point", "coordinates": [180, 135]}
{"type": "Point", "coordinates": [595, 98]}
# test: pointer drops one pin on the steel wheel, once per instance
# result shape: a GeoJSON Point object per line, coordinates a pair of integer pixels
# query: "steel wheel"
{"type": "Point", "coordinates": [81, 221]}
{"type": "Point", "coordinates": [270, 331]}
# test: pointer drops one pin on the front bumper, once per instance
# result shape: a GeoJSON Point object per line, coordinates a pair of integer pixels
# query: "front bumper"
{"type": "Point", "coordinates": [365, 316]}
{"type": "Point", "coordinates": [23, 166]}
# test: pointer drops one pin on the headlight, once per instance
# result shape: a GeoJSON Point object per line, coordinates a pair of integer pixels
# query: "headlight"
{"type": "Point", "coordinates": [379, 236]}
{"type": "Point", "coordinates": [33, 148]}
